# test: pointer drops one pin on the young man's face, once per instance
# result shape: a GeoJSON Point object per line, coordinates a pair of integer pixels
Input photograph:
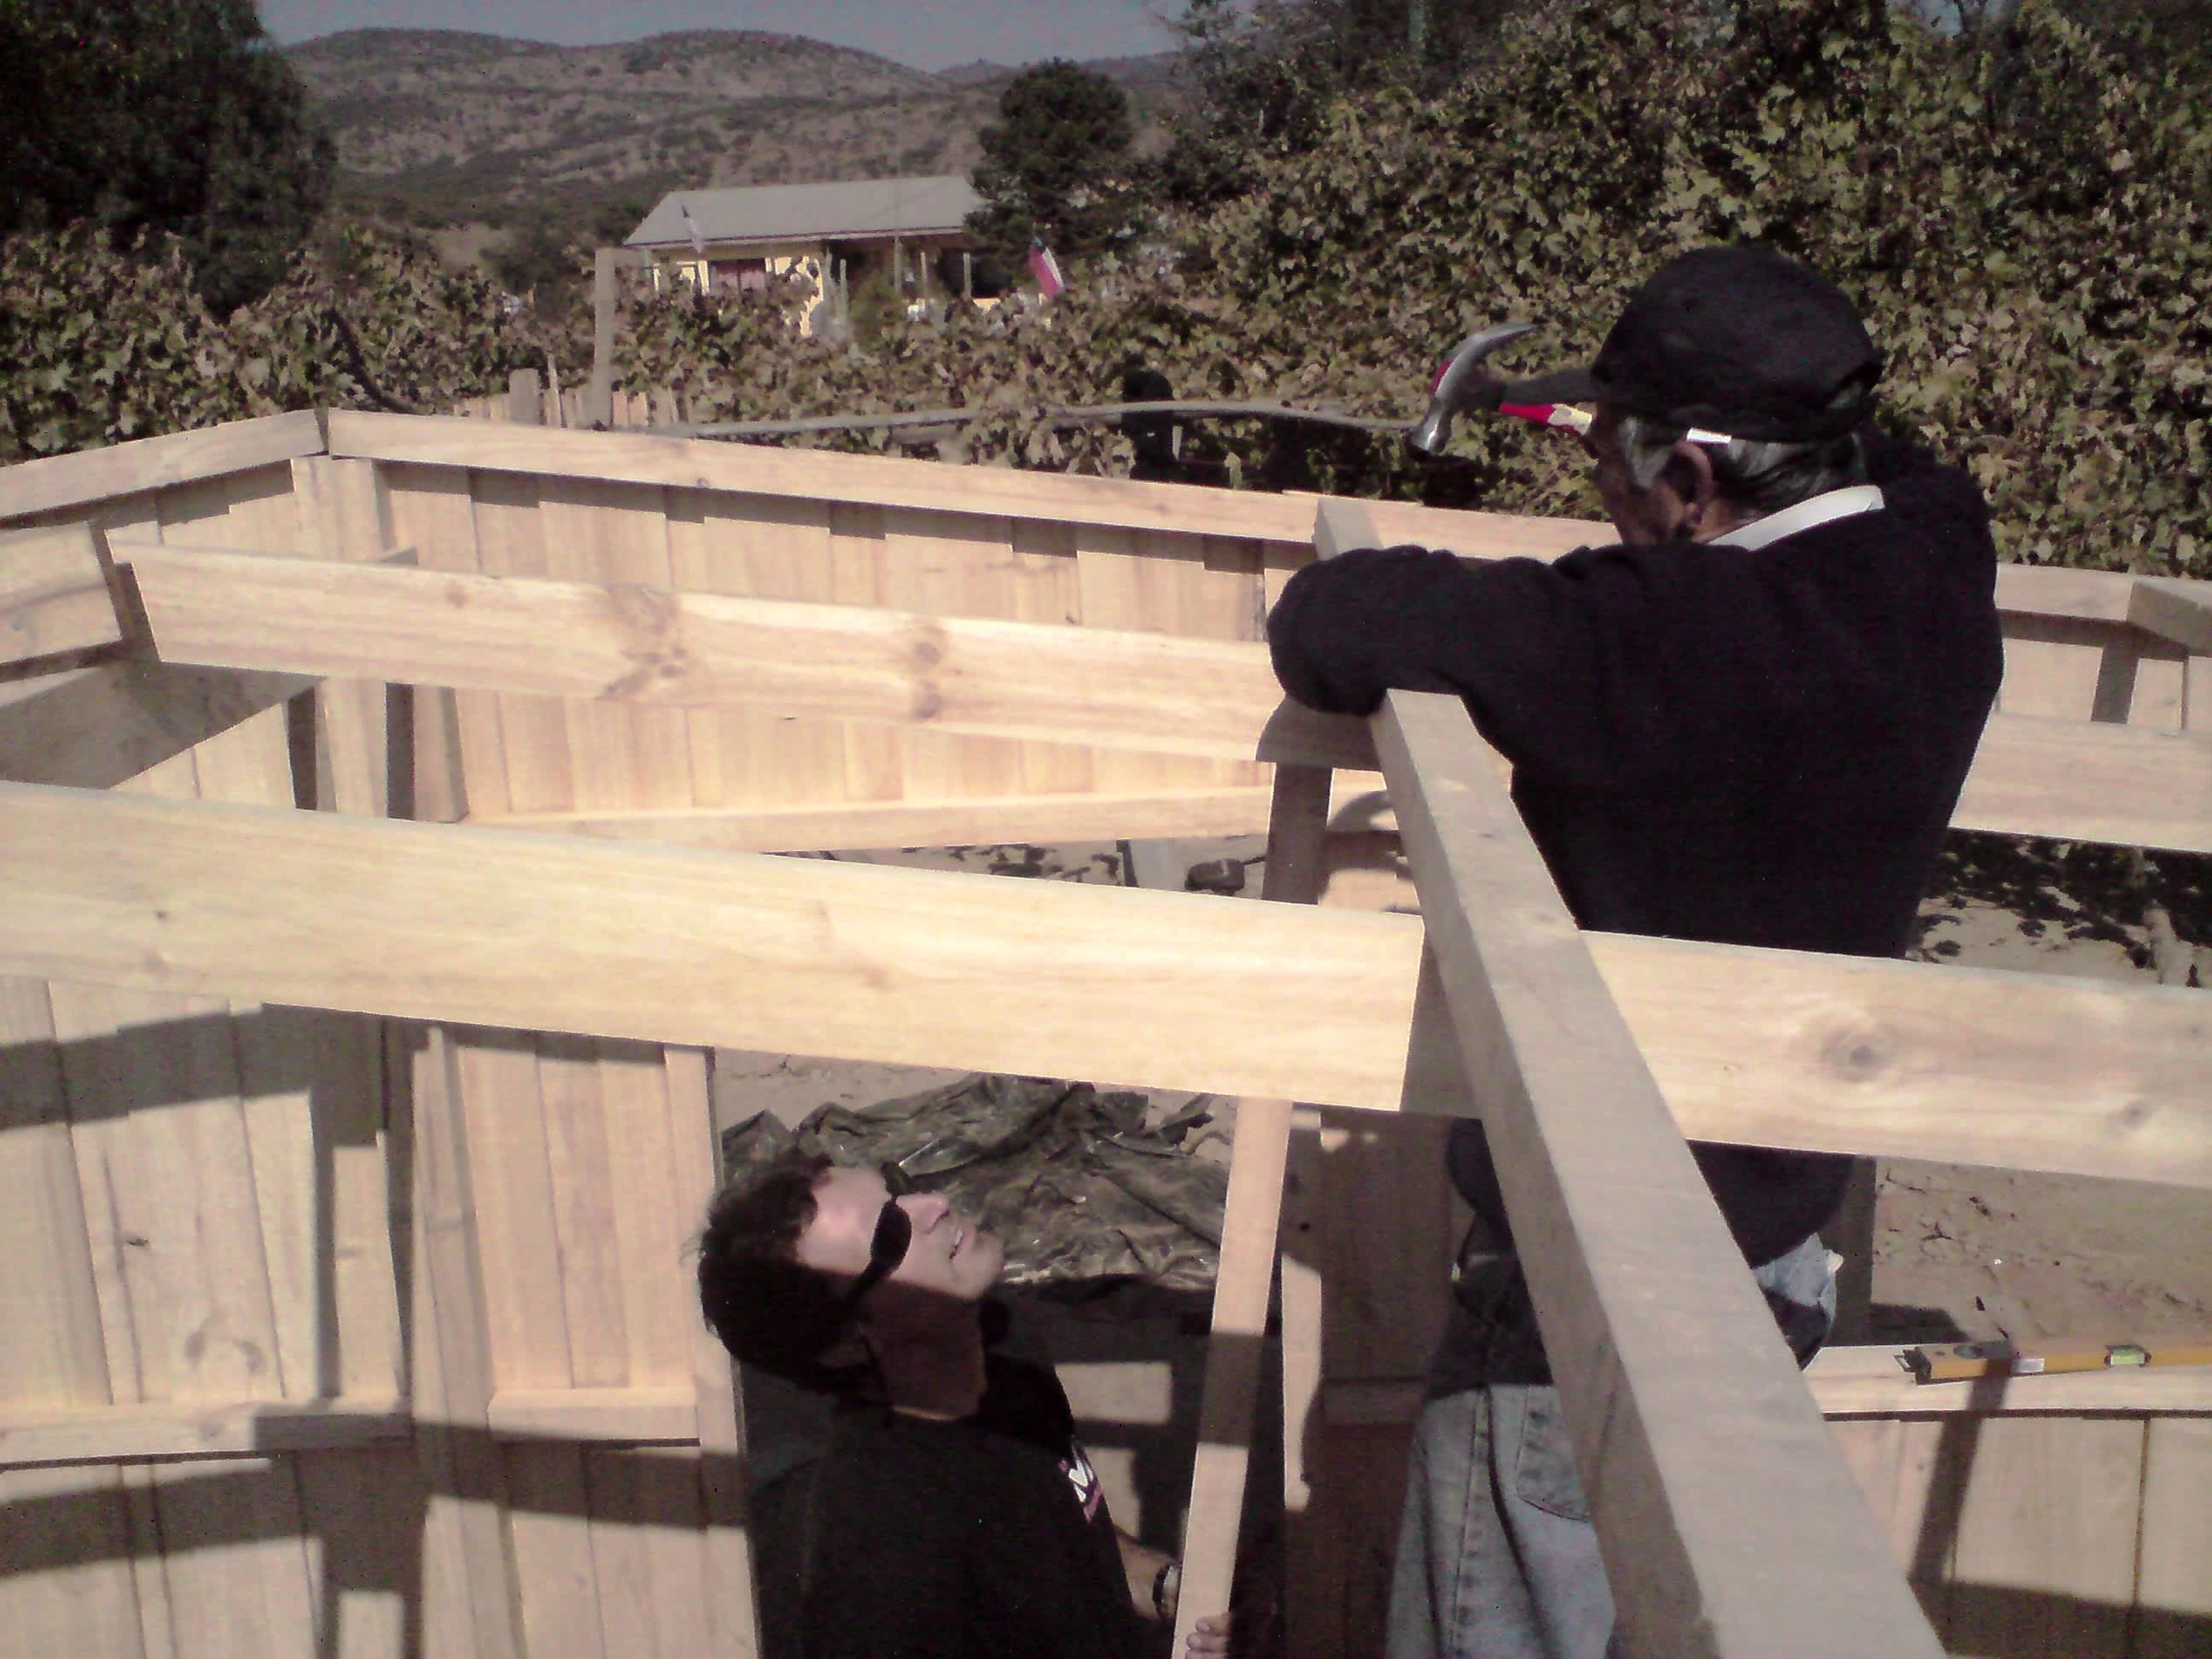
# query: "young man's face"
{"type": "Point", "coordinates": [949, 1256]}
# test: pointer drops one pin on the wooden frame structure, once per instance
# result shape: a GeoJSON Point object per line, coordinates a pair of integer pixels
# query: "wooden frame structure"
{"type": "Point", "coordinates": [348, 1153]}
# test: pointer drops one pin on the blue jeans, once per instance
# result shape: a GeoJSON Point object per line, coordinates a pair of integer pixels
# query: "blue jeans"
{"type": "Point", "coordinates": [1497, 1557]}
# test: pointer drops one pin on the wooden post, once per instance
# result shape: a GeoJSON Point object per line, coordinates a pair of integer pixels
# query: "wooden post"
{"type": "Point", "coordinates": [967, 275]}
{"type": "Point", "coordinates": [526, 404]}
{"type": "Point", "coordinates": [1297, 831]}
{"type": "Point", "coordinates": [599, 408]}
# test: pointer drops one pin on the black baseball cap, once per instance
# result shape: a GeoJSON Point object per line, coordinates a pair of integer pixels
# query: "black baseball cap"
{"type": "Point", "coordinates": [1737, 340]}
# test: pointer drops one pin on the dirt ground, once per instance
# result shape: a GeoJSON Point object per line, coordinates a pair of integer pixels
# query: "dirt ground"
{"type": "Point", "coordinates": [1957, 1251]}
{"type": "Point", "coordinates": [2003, 1253]}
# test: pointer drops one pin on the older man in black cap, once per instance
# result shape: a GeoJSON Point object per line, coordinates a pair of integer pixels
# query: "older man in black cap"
{"type": "Point", "coordinates": [1747, 722]}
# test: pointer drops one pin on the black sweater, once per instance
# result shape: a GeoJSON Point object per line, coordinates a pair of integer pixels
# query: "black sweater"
{"type": "Point", "coordinates": [1752, 747]}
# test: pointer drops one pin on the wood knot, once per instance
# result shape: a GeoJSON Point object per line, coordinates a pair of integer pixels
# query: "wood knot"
{"type": "Point", "coordinates": [1856, 1055]}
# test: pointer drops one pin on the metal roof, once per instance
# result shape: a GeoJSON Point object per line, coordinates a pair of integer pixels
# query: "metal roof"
{"type": "Point", "coordinates": [860, 208]}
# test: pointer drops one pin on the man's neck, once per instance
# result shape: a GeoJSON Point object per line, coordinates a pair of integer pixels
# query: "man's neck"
{"type": "Point", "coordinates": [938, 1373]}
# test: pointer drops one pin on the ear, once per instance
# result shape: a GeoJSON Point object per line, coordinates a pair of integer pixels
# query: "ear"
{"type": "Point", "coordinates": [1689, 472]}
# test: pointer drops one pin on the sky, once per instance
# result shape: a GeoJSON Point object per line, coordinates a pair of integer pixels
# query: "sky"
{"type": "Point", "coordinates": [930, 35]}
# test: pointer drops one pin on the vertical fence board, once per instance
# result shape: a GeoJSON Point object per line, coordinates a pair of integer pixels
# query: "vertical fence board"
{"type": "Point", "coordinates": [54, 1354]}
{"type": "Point", "coordinates": [2173, 1586]}
{"type": "Point", "coordinates": [69, 1587]}
{"type": "Point", "coordinates": [533, 732]}
{"type": "Point", "coordinates": [623, 754]}
{"type": "Point", "coordinates": [364, 1513]}
{"type": "Point", "coordinates": [582, 1192]}
{"type": "Point", "coordinates": [432, 512]}
{"type": "Point", "coordinates": [758, 547]}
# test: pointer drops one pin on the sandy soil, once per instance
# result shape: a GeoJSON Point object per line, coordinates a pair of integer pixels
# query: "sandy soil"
{"type": "Point", "coordinates": [2001, 1252]}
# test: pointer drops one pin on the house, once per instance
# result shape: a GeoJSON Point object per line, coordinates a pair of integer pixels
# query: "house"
{"type": "Point", "coordinates": [828, 235]}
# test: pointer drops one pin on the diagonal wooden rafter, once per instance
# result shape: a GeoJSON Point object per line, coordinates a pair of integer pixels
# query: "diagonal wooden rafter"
{"type": "Point", "coordinates": [1729, 1525]}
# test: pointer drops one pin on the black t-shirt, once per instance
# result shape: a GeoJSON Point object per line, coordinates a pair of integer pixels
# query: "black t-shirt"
{"type": "Point", "coordinates": [1751, 746]}
{"type": "Point", "coordinates": [983, 1539]}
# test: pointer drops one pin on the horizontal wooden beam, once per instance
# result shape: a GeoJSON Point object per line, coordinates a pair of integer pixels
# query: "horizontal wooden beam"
{"type": "Point", "coordinates": [813, 475]}
{"type": "Point", "coordinates": [1170, 990]}
{"type": "Point", "coordinates": [90, 728]}
{"type": "Point", "coordinates": [54, 596]}
{"type": "Point", "coordinates": [2125, 785]}
{"type": "Point", "coordinates": [862, 825]}
{"type": "Point", "coordinates": [2180, 611]}
{"type": "Point", "coordinates": [1145, 692]}
{"type": "Point", "coordinates": [667, 1414]}
{"type": "Point", "coordinates": [119, 1434]}
{"type": "Point", "coordinates": [2075, 780]}
{"type": "Point", "coordinates": [91, 477]}
{"type": "Point", "coordinates": [1871, 1381]}
{"type": "Point", "coordinates": [1729, 1524]}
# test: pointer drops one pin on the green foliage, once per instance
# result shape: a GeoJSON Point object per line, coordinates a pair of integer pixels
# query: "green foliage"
{"type": "Point", "coordinates": [1055, 166]}
{"type": "Point", "coordinates": [100, 345]}
{"type": "Point", "coordinates": [2020, 210]}
{"type": "Point", "coordinates": [170, 117]}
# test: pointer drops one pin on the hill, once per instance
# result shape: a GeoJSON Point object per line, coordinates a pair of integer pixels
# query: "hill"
{"type": "Point", "coordinates": [442, 128]}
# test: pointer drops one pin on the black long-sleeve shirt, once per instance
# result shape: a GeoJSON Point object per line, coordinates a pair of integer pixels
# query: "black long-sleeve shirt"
{"type": "Point", "coordinates": [1751, 746]}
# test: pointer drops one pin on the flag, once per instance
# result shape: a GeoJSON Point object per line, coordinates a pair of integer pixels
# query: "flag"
{"type": "Point", "coordinates": [1046, 269]}
{"type": "Point", "coordinates": [691, 229]}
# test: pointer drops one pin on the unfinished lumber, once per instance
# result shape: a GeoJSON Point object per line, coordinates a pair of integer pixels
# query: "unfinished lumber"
{"type": "Point", "coordinates": [54, 596]}
{"type": "Point", "coordinates": [724, 1480]}
{"type": "Point", "coordinates": [1297, 826]}
{"type": "Point", "coordinates": [1041, 820]}
{"type": "Point", "coordinates": [92, 477]}
{"type": "Point", "coordinates": [652, 646]}
{"type": "Point", "coordinates": [692, 463]}
{"type": "Point", "coordinates": [116, 1434]}
{"type": "Point", "coordinates": [1060, 979]}
{"type": "Point", "coordinates": [1872, 1381]}
{"type": "Point", "coordinates": [1037, 683]}
{"type": "Point", "coordinates": [2180, 611]}
{"type": "Point", "coordinates": [452, 1382]}
{"type": "Point", "coordinates": [90, 728]}
{"type": "Point", "coordinates": [1729, 1524]}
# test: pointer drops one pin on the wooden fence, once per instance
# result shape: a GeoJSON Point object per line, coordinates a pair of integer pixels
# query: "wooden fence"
{"type": "Point", "coordinates": [346, 1165]}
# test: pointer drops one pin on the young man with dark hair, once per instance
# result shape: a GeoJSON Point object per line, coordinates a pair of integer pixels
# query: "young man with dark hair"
{"type": "Point", "coordinates": [1747, 722]}
{"type": "Point", "coordinates": [954, 1515]}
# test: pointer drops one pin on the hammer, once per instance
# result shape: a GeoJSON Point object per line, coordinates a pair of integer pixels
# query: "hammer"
{"type": "Point", "coordinates": [1462, 383]}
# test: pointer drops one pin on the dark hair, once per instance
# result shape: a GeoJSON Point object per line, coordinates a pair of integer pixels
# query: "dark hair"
{"type": "Point", "coordinates": [768, 1309]}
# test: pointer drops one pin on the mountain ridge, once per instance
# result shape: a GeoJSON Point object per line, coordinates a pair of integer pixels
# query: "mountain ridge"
{"type": "Point", "coordinates": [445, 127]}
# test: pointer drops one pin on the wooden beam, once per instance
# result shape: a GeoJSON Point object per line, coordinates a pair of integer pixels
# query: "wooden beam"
{"type": "Point", "coordinates": [638, 1415]}
{"type": "Point", "coordinates": [1297, 825]}
{"type": "Point", "coordinates": [54, 596]}
{"type": "Point", "coordinates": [1728, 1523]}
{"type": "Point", "coordinates": [90, 728]}
{"type": "Point", "coordinates": [1054, 979]}
{"type": "Point", "coordinates": [2075, 781]}
{"type": "Point", "coordinates": [696, 463]}
{"type": "Point", "coordinates": [1872, 1381]}
{"type": "Point", "coordinates": [1147, 692]}
{"type": "Point", "coordinates": [2126, 786]}
{"type": "Point", "coordinates": [92, 477]}
{"type": "Point", "coordinates": [2055, 592]}
{"type": "Point", "coordinates": [859, 825]}
{"type": "Point", "coordinates": [129, 1434]}
{"type": "Point", "coordinates": [2178, 611]}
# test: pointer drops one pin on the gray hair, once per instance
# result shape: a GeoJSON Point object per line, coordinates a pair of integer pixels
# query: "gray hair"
{"type": "Point", "coordinates": [1759, 477]}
